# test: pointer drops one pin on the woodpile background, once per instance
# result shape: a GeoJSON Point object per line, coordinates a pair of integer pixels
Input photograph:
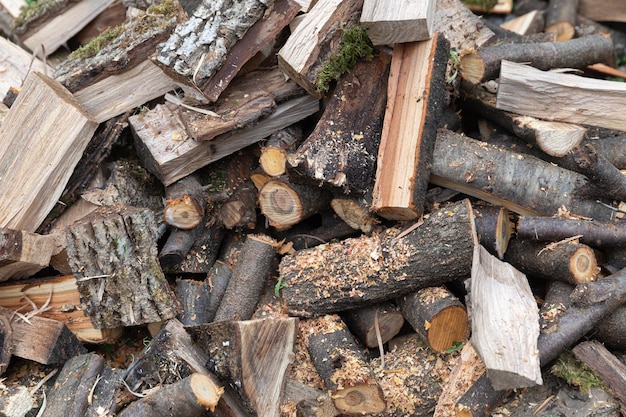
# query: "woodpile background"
{"type": "Point", "coordinates": [311, 208]}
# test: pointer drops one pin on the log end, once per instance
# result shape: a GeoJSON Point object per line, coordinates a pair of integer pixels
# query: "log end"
{"type": "Point", "coordinates": [353, 214]}
{"type": "Point", "coordinates": [273, 161]}
{"type": "Point", "coordinates": [563, 31]}
{"type": "Point", "coordinates": [447, 327]}
{"type": "Point", "coordinates": [583, 265]}
{"type": "Point", "coordinates": [205, 390]}
{"type": "Point", "coordinates": [281, 204]}
{"type": "Point", "coordinates": [472, 67]}
{"type": "Point", "coordinates": [360, 399]}
{"type": "Point", "coordinates": [184, 213]}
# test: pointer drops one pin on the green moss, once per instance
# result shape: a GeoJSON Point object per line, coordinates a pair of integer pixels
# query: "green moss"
{"type": "Point", "coordinates": [575, 372]}
{"type": "Point", "coordinates": [33, 10]}
{"type": "Point", "coordinates": [355, 45]}
{"type": "Point", "coordinates": [95, 45]}
{"type": "Point", "coordinates": [483, 4]}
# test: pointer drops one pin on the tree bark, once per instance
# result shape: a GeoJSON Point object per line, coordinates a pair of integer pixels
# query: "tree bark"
{"type": "Point", "coordinates": [606, 179]}
{"type": "Point", "coordinates": [22, 254]}
{"type": "Point", "coordinates": [186, 203]}
{"type": "Point", "coordinates": [561, 18]}
{"type": "Point", "coordinates": [6, 342]}
{"type": "Point", "coordinates": [493, 227]}
{"type": "Point", "coordinates": [366, 270]}
{"type": "Point", "coordinates": [369, 323]}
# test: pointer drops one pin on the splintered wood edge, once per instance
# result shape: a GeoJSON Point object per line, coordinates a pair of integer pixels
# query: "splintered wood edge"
{"type": "Point", "coordinates": [205, 390]}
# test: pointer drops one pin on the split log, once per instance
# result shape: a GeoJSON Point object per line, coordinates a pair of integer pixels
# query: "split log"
{"type": "Point", "coordinates": [437, 316]}
{"type": "Point", "coordinates": [113, 253]}
{"type": "Point", "coordinates": [199, 46]}
{"type": "Point", "coordinates": [112, 16]}
{"type": "Point", "coordinates": [6, 342]}
{"type": "Point", "coordinates": [37, 156]}
{"type": "Point", "coordinates": [554, 229]}
{"type": "Point", "coordinates": [254, 355]}
{"type": "Point", "coordinates": [561, 18]}
{"type": "Point", "coordinates": [525, 24]}
{"type": "Point", "coordinates": [521, 183]}
{"type": "Point", "coordinates": [340, 153]}
{"type": "Point", "coordinates": [17, 63]}
{"type": "Point", "coordinates": [607, 366]}
{"type": "Point", "coordinates": [185, 203]}
{"type": "Point", "coordinates": [375, 325]}
{"type": "Point", "coordinates": [286, 203]}
{"type": "Point", "coordinates": [504, 323]}
{"type": "Point", "coordinates": [494, 228]}
{"type": "Point", "coordinates": [572, 98]}
{"type": "Point", "coordinates": [602, 10]}
{"type": "Point", "coordinates": [273, 159]}
{"type": "Point", "coordinates": [570, 262]}
{"type": "Point", "coordinates": [409, 130]}
{"type": "Point", "coordinates": [55, 298]}
{"type": "Point", "coordinates": [22, 254]}
{"type": "Point", "coordinates": [41, 340]}
{"type": "Point", "coordinates": [244, 288]}
{"type": "Point", "coordinates": [44, 36]}
{"type": "Point", "coordinates": [484, 64]}
{"type": "Point", "coordinates": [343, 368]}
{"type": "Point", "coordinates": [191, 396]}
{"type": "Point", "coordinates": [390, 23]}
{"type": "Point", "coordinates": [368, 270]}
{"type": "Point", "coordinates": [167, 151]}
{"type": "Point", "coordinates": [315, 40]}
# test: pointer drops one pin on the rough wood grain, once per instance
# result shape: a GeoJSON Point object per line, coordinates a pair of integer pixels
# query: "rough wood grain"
{"type": "Point", "coordinates": [388, 23]}
{"type": "Point", "coordinates": [22, 254]}
{"type": "Point", "coordinates": [16, 63]}
{"type": "Point", "coordinates": [603, 10]}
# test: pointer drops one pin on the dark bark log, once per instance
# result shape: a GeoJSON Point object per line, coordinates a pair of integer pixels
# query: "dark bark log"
{"type": "Point", "coordinates": [437, 316]}
{"type": "Point", "coordinates": [612, 330]}
{"type": "Point", "coordinates": [355, 211]}
{"type": "Point", "coordinates": [553, 229]}
{"type": "Point", "coordinates": [6, 342]}
{"type": "Point", "coordinates": [364, 271]}
{"type": "Point", "coordinates": [526, 6]}
{"type": "Point", "coordinates": [178, 244]}
{"type": "Point", "coordinates": [479, 400]}
{"type": "Point", "coordinates": [274, 154]}
{"type": "Point", "coordinates": [186, 203]}
{"type": "Point", "coordinates": [244, 288]}
{"type": "Point", "coordinates": [561, 18]}
{"type": "Point", "coordinates": [606, 179]}
{"type": "Point", "coordinates": [331, 228]}
{"type": "Point", "coordinates": [569, 262]}
{"type": "Point", "coordinates": [240, 211]}
{"type": "Point", "coordinates": [309, 401]}
{"type": "Point", "coordinates": [343, 368]}
{"type": "Point", "coordinates": [493, 227]}
{"type": "Point", "coordinates": [370, 323]}
{"type": "Point", "coordinates": [585, 27]}
{"type": "Point", "coordinates": [113, 253]}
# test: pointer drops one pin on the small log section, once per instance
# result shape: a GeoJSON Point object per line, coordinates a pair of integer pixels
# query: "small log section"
{"type": "Point", "coordinates": [22, 254]}
{"type": "Point", "coordinates": [315, 40]}
{"type": "Point", "coordinates": [113, 254]}
{"type": "Point", "coordinates": [37, 157]}
{"type": "Point", "coordinates": [341, 152]}
{"type": "Point", "coordinates": [607, 366]}
{"type": "Point", "coordinates": [569, 262]}
{"type": "Point", "coordinates": [561, 97]}
{"type": "Point", "coordinates": [191, 396]}
{"type": "Point", "coordinates": [343, 368]}
{"type": "Point", "coordinates": [185, 203]}
{"type": "Point", "coordinates": [254, 354]}
{"type": "Point", "coordinates": [494, 228]}
{"type": "Point", "coordinates": [382, 321]}
{"type": "Point", "coordinates": [388, 23]}
{"type": "Point", "coordinates": [415, 100]}
{"type": "Point", "coordinates": [504, 322]}
{"type": "Point", "coordinates": [561, 18]}
{"type": "Point", "coordinates": [362, 271]}
{"type": "Point", "coordinates": [523, 184]}
{"type": "Point", "coordinates": [437, 316]}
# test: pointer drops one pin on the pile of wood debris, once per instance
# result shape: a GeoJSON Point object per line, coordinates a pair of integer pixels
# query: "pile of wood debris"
{"type": "Point", "coordinates": [292, 207]}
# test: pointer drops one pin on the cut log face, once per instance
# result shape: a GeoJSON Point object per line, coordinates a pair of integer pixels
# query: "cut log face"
{"type": "Point", "coordinates": [388, 23]}
{"type": "Point", "coordinates": [22, 254]}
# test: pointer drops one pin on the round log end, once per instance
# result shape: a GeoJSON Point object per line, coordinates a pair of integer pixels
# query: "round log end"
{"type": "Point", "coordinates": [583, 265]}
{"type": "Point", "coordinates": [472, 68]}
{"type": "Point", "coordinates": [273, 161]}
{"type": "Point", "coordinates": [184, 213]}
{"type": "Point", "coordinates": [447, 327]}
{"type": "Point", "coordinates": [206, 392]}
{"type": "Point", "coordinates": [353, 214]}
{"type": "Point", "coordinates": [563, 31]}
{"type": "Point", "coordinates": [360, 399]}
{"type": "Point", "coordinates": [281, 204]}
{"type": "Point", "coordinates": [389, 325]}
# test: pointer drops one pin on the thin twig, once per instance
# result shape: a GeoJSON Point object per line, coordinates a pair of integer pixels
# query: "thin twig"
{"type": "Point", "coordinates": [179, 102]}
{"type": "Point", "coordinates": [44, 380]}
{"type": "Point", "coordinates": [379, 339]}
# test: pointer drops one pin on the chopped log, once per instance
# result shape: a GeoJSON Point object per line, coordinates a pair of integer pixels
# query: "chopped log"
{"type": "Point", "coordinates": [22, 254]}
{"type": "Point", "coordinates": [606, 179]}
{"type": "Point", "coordinates": [6, 342]}
{"type": "Point", "coordinates": [363, 271]}
{"type": "Point", "coordinates": [484, 64]}
{"type": "Point", "coordinates": [17, 63]}
{"type": "Point", "coordinates": [607, 366]}
{"type": "Point", "coordinates": [355, 212]}
{"type": "Point", "coordinates": [244, 288]}
{"type": "Point", "coordinates": [285, 203]}
{"type": "Point", "coordinates": [113, 254]}
{"type": "Point", "coordinates": [199, 46]}
{"type": "Point", "coordinates": [525, 24]}
{"type": "Point", "coordinates": [437, 316]}
{"type": "Point", "coordinates": [43, 38]}
{"type": "Point", "coordinates": [256, 38]}
{"type": "Point", "coordinates": [177, 246]}
{"type": "Point", "coordinates": [343, 368]}
{"type": "Point", "coordinates": [37, 156]}
{"type": "Point", "coordinates": [191, 396]}
{"type": "Point", "coordinates": [554, 229]}
{"type": "Point", "coordinates": [185, 203]}
{"type": "Point", "coordinates": [479, 399]}
{"type": "Point", "coordinates": [585, 27]}
{"type": "Point", "coordinates": [254, 355]}
{"type": "Point", "coordinates": [390, 23]}
{"type": "Point", "coordinates": [273, 159]}
{"type": "Point", "coordinates": [167, 151]}
{"type": "Point", "coordinates": [602, 10]}
{"type": "Point", "coordinates": [315, 40]}
{"type": "Point", "coordinates": [415, 101]}
{"type": "Point", "coordinates": [521, 183]}
{"type": "Point", "coordinates": [309, 401]}
{"type": "Point", "coordinates": [572, 98]}
{"type": "Point", "coordinates": [375, 325]}
{"type": "Point", "coordinates": [55, 298]}
{"type": "Point", "coordinates": [240, 211]}
{"type": "Point", "coordinates": [340, 153]}
{"type": "Point", "coordinates": [504, 323]}
{"type": "Point", "coordinates": [561, 18]}
{"type": "Point", "coordinates": [566, 261]}
{"type": "Point", "coordinates": [42, 340]}
{"type": "Point", "coordinates": [493, 227]}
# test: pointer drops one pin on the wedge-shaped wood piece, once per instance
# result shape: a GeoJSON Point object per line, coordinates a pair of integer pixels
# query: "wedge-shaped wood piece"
{"type": "Point", "coordinates": [169, 153]}
{"type": "Point", "coordinates": [41, 140]}
{"type": "Point", "coordinates": [390, 22]}
{"type": "Point", "coordinates": [22, 254]}
{"type": "Point", "coordinates": [505, 322]}
{"type": "Point", "coordinates": [415, 99]}
{"type": "Point", "coordinates": [561, 97]}
{"type": "Point", "coordinates": [16, 63]}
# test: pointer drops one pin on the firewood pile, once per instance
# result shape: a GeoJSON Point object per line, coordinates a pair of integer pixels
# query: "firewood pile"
{"type": "Point", "coordinates": [309, 208]}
